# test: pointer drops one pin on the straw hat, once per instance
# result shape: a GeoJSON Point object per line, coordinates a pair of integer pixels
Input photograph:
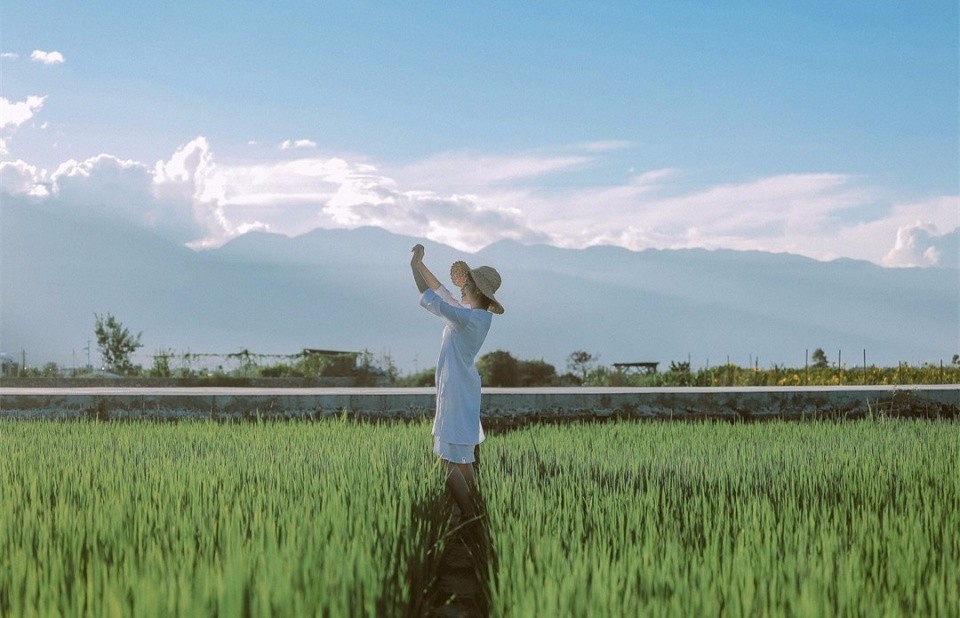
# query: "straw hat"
{"type": "Point", "coordinates": [486, 277]}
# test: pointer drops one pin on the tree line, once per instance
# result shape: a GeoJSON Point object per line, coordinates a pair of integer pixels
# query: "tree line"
{"type": "Point", "coordinates": [500, 368]}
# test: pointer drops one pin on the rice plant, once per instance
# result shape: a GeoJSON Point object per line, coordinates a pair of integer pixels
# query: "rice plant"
{"type": "Point", "coordinates": [652, 519]}
{"type": "Point", "coordinates": [200, 518]}
{"type": "Point", "coordinates": [344, 519]}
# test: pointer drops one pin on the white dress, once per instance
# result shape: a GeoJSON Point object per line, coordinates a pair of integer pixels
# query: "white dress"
{"type": "Point", "coordinates": [457, 420]}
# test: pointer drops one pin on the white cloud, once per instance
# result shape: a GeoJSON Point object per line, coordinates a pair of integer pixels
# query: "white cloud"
{"type": "Point", "coordinates": [470, 201]}
{"type": "Point", "coordinates": [48, 58]}
{"type": "Point", "coordinates": [823, 216]}
{"type": "Point", "coordinates": [876, 238]}
{"type": "Point", "coordinates": [21, 178]}
{"type": "Point", "coordinates": [639, 214]}
{"type": "Point", "coordinates": [605, 145]}
{"type": "Point", "coordinates": [15, 113]}
{"type": "Point", "coordinates": [300, 143]}
{"type": "Point", "coordinates": [296, 196]}
{"type": "Point", "coordinates": [9, 55]}
{"type": "Point", "coordinates": [921, 244]}
{"type": "Point", "coordinates": [121, 189]}
{"type": "Point", "coordinates": [191, 177]}
{"type": "Point", "coordinates": [190, 160]}
{"type": "Point", "coordinates": [459, 171]}
{"type": "Point", "coordinates": [103, 183]}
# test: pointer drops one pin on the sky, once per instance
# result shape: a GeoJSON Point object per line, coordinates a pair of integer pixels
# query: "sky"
{"type": "Point", "coordinates": [826, 129]}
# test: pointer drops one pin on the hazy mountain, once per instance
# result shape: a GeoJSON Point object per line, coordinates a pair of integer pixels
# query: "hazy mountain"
{"type": "Point", "coordinates": [352, 290]}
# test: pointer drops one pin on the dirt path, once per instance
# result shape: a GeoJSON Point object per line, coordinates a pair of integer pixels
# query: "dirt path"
{"type": "Point", "coordinates": [461, 588]}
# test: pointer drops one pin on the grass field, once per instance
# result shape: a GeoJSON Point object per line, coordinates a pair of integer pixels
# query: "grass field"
{"type": "Point", "coordinates": [343, 519]}
{"type": "Point", "coordinates": [820, 519]}
{"type": "Point", "coordinates": [203, 518]}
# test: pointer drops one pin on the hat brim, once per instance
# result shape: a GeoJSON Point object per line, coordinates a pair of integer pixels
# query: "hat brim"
{"type": "Point", "coordinates": [495, 306]}
{"type": "Point", "coordinates": [481, 283]}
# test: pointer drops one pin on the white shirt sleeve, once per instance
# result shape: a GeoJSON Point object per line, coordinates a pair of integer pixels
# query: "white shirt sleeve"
{"type": "Point", "coordinates": [447, 296]}
{"type": "Point", "coordinates": [441, 302]}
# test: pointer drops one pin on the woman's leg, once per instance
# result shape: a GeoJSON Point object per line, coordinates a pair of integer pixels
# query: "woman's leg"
{"type": "Point", "coordinates": [469, 474]}
{"type": "Point", "coordinates": [461, 482]}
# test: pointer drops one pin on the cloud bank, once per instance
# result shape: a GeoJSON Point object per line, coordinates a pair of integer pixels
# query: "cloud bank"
{"type": "Point", "coordinates": [468, 201]}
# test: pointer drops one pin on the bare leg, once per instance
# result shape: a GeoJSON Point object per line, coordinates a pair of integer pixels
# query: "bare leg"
{"type": "Point", "coordinates": [469, 474]}
{"type": "Point", "coordinates": [461, 481]}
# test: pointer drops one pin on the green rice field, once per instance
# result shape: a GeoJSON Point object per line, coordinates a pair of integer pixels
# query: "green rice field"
{"type": "Point", "coordinates": [337, 518]}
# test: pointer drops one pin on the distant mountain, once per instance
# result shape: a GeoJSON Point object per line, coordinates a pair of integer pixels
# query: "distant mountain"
{"type": "Point", "coordinates": [352, 290]}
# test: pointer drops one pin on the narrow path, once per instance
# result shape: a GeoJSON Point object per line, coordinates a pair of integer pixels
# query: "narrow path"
{"type": "Point", "coordinates": [461, 588]}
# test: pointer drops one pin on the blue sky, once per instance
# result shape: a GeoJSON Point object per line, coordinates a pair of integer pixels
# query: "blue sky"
{"type": "Point", "coordinates": [827, 129]}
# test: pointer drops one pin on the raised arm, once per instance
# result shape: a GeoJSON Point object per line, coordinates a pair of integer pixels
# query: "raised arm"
{"type": "Point", "coordinates": [421, 274]}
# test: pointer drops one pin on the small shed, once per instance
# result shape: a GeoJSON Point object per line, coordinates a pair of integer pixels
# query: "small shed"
{"type": "Point", "coordinates": [333, 363]}
{"type": "Point", "coordinates": [649, 367]}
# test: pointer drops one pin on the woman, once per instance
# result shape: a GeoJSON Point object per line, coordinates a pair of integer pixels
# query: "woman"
{"type": "Point", "coordinates": [456, 425]}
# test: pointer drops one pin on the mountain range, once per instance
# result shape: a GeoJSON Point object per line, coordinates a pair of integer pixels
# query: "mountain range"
{"type": "Point", "coordinates": [352, 290]}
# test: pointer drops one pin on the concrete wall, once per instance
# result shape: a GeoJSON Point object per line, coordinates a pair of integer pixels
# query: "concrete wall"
{"type": "Point", "coordinates": [99, 381]}
{"type": "Point", "coordinates": [501, 407]}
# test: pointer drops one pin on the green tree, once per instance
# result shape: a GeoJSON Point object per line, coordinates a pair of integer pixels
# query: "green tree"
{"type": "Point", "coordinates": [424, 377]}
{"type": "Point", "coordinates": [581, 363]}
{"type": "Point", "coordinates": [499, 368]}
{"type": "Point", "coordinates": [679, 374]}
{"type": "Point", "coordinates": [536, 373]}
{"type": "Point", "coordinates": [819, 359]}
{"type": "Point", "coordinates": [310, 364]}
{"type": "Point", "coordinates": [116, 344]}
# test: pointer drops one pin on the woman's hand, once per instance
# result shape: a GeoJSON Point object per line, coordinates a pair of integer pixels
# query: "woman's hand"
{"type": "Point", "coordinates": [418, 251]}
{"type": "Point", "coordinates": [418, 267]}
{"type": "Point", "coordinates": [421, 274]}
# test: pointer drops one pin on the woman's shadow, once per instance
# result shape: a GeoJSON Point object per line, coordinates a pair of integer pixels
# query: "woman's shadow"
{"type": "Point", "coordinates": [467, 567]}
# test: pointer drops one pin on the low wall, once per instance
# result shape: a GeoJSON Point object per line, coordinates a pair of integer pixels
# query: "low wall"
{"type": "Point", "coordinates": [99, 381]}
{"type": "Point", "coordinates": [501, 407]}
